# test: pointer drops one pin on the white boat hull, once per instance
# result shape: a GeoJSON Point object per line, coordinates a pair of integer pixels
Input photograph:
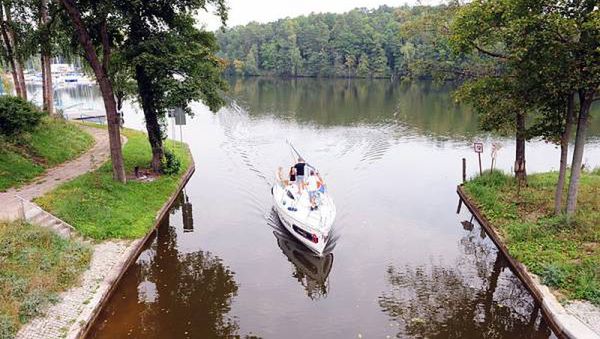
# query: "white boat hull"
{"type": "Point", "coordinates": [311, 228]}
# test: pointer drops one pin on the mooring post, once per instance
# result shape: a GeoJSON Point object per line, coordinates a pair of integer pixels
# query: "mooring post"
{"type": "Point", "coordinates": [464, 170]}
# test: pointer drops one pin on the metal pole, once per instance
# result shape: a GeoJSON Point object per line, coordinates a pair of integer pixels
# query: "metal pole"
{"type": "Point", "coordinates": [181, 136]}
{"type": "Point", "coordinates": [480, 168]}
{"type": "Point", "coordinates": [464, 170]}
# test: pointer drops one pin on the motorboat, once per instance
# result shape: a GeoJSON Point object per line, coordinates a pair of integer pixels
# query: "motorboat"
{"type": "Point", "coordinates": [311, 226]}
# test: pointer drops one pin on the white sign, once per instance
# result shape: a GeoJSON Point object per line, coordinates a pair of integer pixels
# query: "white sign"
{"type": "Point", "coordinates": [478, 147]}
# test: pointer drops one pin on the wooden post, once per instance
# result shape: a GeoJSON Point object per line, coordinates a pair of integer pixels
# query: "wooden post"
{"type": "Point", "coordinates": [459, 205]}
{"type": "Point", "coordinates": [480, 168]}
{"type": "Point", "coordinates": [464, 170]}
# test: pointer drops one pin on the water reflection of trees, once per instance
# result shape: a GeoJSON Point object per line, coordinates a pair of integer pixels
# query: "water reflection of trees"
{"type": "Point", "coordinates": [340, 102]}
{"type": "Point", "coordinates": [178, 295]}
{"type": "Point", "coordinates": [478, 297]}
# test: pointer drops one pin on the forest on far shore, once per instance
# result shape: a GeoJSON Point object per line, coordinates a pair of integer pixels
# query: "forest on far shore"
{"type": "Point", "coordinates": [408, 41]}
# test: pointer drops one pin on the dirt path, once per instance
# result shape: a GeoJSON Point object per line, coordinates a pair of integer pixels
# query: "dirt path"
{"type": "Point", "coordinates": [90, 160]}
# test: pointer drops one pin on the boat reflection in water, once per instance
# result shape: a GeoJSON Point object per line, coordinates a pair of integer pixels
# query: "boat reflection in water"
{"type": "Point", "coordinates": [310, 270]}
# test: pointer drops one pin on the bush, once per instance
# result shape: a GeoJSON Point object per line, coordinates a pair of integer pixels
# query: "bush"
{"type": "Point", "coordinates": [17, 116]}
{"type": "Point", "coordinates": [554, 275]}
{"type": "Point", "coordinates": [171, 164]}
{"type": "Point", "coordinates": [7, 326]}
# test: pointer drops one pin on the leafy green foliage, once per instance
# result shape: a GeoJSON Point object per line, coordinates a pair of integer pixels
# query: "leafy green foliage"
{"type": "Point", "coordinates": [384, 42]}
{"type": "Point", "coordinates": [553, 275]}
{"type": "Point", "coordinates": [171, 164]}
{"type": "Point", "coordinates": [177, 59]}
{"type": "Point", "coordinates": [101, 208]}
{"type": "Point", "coordinates": [17, 116]}
{"type": "Point", "coordinates": [565, 255]}
{"type": "Point", "coordinates": [36, 265]}
{"type": "Point", "coordinates": [53, 142]}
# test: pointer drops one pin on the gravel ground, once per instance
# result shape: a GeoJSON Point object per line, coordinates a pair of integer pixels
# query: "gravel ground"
{"type": "Point", "coordinates": [64, 319]}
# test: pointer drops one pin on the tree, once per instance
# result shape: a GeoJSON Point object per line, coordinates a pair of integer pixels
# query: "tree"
{"type": "Point", "coordinates": [499, 103]}
{"type": "Point", "coordinates": [46, 58]}
{"type": "Point", "coordinates": [550, 50]}
{"type": "Point", "coordinates": [173, 62]}
{"type": "Point", "coordinates": [362, 70]}
{"type": "Point", "coordinates": [97, 15]}
{"type": "Point", "coordinates": [251, 62]}
{"type": "Point", "coordinates": [11, 50]}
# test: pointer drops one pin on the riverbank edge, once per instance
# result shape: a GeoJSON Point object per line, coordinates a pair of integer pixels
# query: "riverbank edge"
{"type": "Point", "coordinates": [564, 324]}
{"type": "Point", "coordinates": [83, 324]}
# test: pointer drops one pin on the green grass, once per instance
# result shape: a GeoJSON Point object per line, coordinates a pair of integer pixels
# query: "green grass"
{"type": "Point", "coordinates": [53, 142]}
{"type": "Point", "coordinates": [101, 208]}
{"type": "Point", "coordinates": [35, 265]}
{"type": "Point", "coordinates": [566, 255]}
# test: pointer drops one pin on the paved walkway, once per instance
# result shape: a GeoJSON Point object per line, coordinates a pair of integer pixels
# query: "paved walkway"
{"type": "Point", "coordinates": [92, 159]}
{"type": "Point", "coordinates": [64, 319]}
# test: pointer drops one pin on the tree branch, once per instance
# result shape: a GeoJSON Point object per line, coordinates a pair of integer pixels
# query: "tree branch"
{"type": "Point", "coordinates": [492, 54]}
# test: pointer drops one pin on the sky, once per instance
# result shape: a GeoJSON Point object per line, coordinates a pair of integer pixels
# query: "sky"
{"type": "Point", "coordinates": [242, 12]}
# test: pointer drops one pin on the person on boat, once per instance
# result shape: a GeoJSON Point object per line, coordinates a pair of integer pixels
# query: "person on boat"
{"type": "Point", "coordinates": [312, 186]}
{"type": "Point", "coordinates": [281, 178]}
{"type": "Point", "coordinates": [292, 175]}
{"type": "Point", "coordinates": [320, 183]}
{"type": "Point", "coordinates": [300, 166]}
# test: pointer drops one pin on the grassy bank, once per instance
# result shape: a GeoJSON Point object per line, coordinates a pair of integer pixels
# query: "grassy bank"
{"type": "Point", "coordinates": [35, 265]}
{"type": "Point", "coordinates": [101, 208]}
{"type": "Point", "coordinates": [565, 255]}
{"type": "Point", "coordinates": [54, 141]}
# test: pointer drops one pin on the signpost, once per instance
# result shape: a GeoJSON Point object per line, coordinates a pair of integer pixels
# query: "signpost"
{"type": "Point", "coordinates": [478, 147]}
{"type": "Point", "coordinates": [495, 148]}
{"type": "Point", "coordinates": [178, 116]}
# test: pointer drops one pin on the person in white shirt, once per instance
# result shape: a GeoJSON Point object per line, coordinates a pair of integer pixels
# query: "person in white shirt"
{"type": "Point", "coordinates": [312, 187]}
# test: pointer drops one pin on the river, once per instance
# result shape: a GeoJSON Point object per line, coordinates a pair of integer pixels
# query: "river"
{"type": "Point", "coordinates": [404, 263]}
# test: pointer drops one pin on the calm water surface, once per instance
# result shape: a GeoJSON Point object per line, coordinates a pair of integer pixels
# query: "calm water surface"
{"type": "Point", "coordinates": [404, 263]}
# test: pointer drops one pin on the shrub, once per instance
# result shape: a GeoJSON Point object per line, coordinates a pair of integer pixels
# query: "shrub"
{"type": "Point", "coordinates": [17, 116]}
{"type": "Point", "coordinates": [171, 164]}
{"type": "Point", "coordinates": [553, 275]}
{"type": "Point", "coordinates": [7, 326]}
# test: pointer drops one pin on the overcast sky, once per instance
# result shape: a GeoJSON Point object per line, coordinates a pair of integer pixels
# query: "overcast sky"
{"type": "Point", "coordinates": [244, 11]}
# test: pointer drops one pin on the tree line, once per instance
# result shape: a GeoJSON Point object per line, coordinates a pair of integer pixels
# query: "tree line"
{"type": "Point", "coordinates": [527, 67]}
{"type": "Point", "coordinates": [150, 51]}
{"type": "Point", "coordinates": [385, 42]}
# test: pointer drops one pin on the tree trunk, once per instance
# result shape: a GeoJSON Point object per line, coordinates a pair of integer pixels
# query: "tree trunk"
{"type": "Point", "coordinates": [46, 60]}
{"type": "Point", "coordinates": [8, 47]}
{"type": "Point", "coordinates": [105, 85]}
{"type": "Point", "coordinates": [520, 172]}
{"type": "Point", "coordinates": [564, 153]}
{"type": "Point", "coordinates": [17, 59]}
{"type": "Point", "coordinates": [21, 76]}
{"type": "Point", "coordinates": [152, 125]}
{"type": "Point", "coordinates": [44, 89]}
{"type": "Point", "coordinates": [585, 101]}
{"type": "Point", "coordinates": [49, 93]}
